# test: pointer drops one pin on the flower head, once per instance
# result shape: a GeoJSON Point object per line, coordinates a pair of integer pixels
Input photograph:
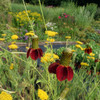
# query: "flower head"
{"type": "Point", "coordinates": [92, 54]}
{"type": "Point", "coordinates": [51, 33]}
{"type": "Point", "coordinates": [62, 69]}
{"type": "Point", "coordinates": [84, 64]}
{"type": "Point", "coordinates": [12, 66]}
{"type": "Point", "coordinates": [50, 40]}
{"type": "Point", "coordinates": [66, 16]}
{"type": "Point", "coordinates": [68, 37]}
{"type": "Point", "coordinates": [42, 94]}
{"type": "Point", "coordinates": [59, 17]}
{"type": "Point", "coordinates": [2, 39]}
{"type": "Point", "coordinates": [35, 53]}
{"type": "Point", "coordinates": [5, 96]}
{"type": "Point", "coordinates": [88, 50]}
{"type": "Point", "coordinates": [48, 57]}
{"type": "Point", "coordinates": [62, 72]}
{"type": "Point", "coordinates": [73, 50]}
{"type": "Point", "coordinates": [13, 46]}
{"type": "Point", "coordinates": [29, 33]}
{"type": "Point", "coordinates": [97, 60]}
{"type": "Point", "coordinates": [14, 37]}
{"type": "Point", "coordinates": [90, 57]}
{"type": "Point", "coordinates": [78, 46]}
{"type": "Point", "coordinates": [3, 34]}
{"type": "Point", "coordinates": [79, 42]}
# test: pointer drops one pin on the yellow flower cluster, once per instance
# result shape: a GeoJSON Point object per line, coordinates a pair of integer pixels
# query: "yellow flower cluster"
{"type": "Point", "coordinates": [84, 64]}
{"type": "Point", "coordinates": [12, 66]}
{"type": "Point", "coordinates": [30, 33]}
{"type": "Point", "coordinates": [22, 17]}
{"type": "Point", "coordinates": [90, 57]}
{"type": "Point", "coordinates": [73, 50]}
{"type": "Point", "coordinates": [13, 46]}
{"type": "Point", "coordinates": [14, 37]}
{"type": "Point", "coordinates": [79, 42]}
{"type": "Point", "coordinates": [68, 37]}
{"type": "Point", "coordinates": [92, 54]}
{"type": "Point", "coordinates": [51, 33]}
{"type": "Point", "coordinates": [5, 96]}
{"type": "Point", "coordinates": [48, 57]}
{"type": "Point", "coordinates": [42, 94]}
{"type": "Point", "coordinates": [78, 46]}
{"type": "Point", "coordinates": [2, 39]}
{"type": "Point", "coordinates": [50, 40]}
{"type": "Point", "coordinates": [27, 48]}
{"type": "Point", "coordinates": [3, 34]}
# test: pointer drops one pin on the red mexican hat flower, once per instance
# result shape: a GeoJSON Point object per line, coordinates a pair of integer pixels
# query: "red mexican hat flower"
{"type": "Point", "coordinates": [35, 52]}
{"type": "Point", "coordinates": [62, 69]}
{"type": "Point", "coordinates": [88, 49]}
{"type": "Point", "coordinates": [62, 72]}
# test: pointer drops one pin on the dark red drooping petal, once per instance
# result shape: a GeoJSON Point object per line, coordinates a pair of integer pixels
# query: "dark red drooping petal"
{"type": "Point", "coordinates": [88, 50]}
{"type": "Point", "coordinates": [40, 52]}
{"type": "Point", "coordinates": [52, 68]}
{"type": "Point", "coordinates": [96, 60]}
{"type": "Point", "coordinates": [34, 54]}
{"type": "Point", "coordinates": [28, 52]}
{"type": "Point", "coordinates": [61, 73]}
{"type": "Point", "coordinates": [69, 73]}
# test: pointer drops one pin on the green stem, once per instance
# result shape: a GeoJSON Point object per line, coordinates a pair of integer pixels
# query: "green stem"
{"type": "Point", "coordinates": [42, 14]}
{"type": "Point", "coordinates": [33, 80]}
{"type": "Point", "coordinates": [67, 43]}
{"type": "Point", "coordinates": [28, 16]}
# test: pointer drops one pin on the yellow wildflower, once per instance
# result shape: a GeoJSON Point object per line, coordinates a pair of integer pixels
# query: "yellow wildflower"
{"type": "Point", "coordinates": [82, 48]}
{"type": "Point", "coordinates": [12, 66]}
{"type": "Point", "coordinates": [14, 37]}
{"type": "Point", "coordinates": [55, 56]}
{"type": "Point", "coordinates": [84, 64]}
{"type": "Point", "coordinates": [52, 59]}
{"type": "Point", "coordinates": [68, 37]}
{"type": "Point", "coordinates": [51, 33]}
{"type": "Point", "coordinates": [30, 33]}
{"type": "Point", "coordinates": [5, 96]}
{"type": "Point", "coordinates": [42, 94]}
{"type": "Point", "coordinates": [44, 59]}
{"type": "Point", "coordinates": [73, 50]}
{"type": "Point", "coordinates": [48, 57]}
{"type": "Point", "coordinates": [3, 34]}
{"type": "Point", "coordinates": [77, 46]}
{"type": "Point", "coordinates": [92, 54]}
{"type": "Point", "coordinates": [79, 42]}
{"type": "Point", "coordinates": [90, 57]}
{"type": "Point", "coordinates": [27, 48]}
{"type": "Point", "coordinates": [50, 40]}
{"type": "Point", "coordinates": [13, 46]}
{"type": "Point", "coordinates": [2, 39]}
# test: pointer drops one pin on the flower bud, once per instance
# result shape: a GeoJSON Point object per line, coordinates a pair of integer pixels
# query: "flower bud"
{"type": "Point", "coordinates": [66, 57]}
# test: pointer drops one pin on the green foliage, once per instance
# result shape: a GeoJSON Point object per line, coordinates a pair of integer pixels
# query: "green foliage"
{"type": "Point", "coordinates": [97, 15]}
{"type": "Point", "coordinates": [93, 36]}
{"type": "Point", "coordinates": [92, 8]}
{"type": "Point", "coordinates": [4, 8]}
